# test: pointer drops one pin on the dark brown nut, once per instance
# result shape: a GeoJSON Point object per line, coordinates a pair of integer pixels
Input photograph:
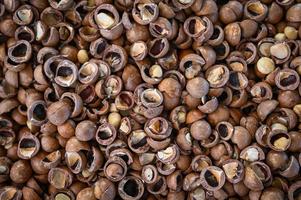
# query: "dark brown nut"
{"type": "Point", "coordinates": [158, 187]}
{"type": "Point", "coordinates": [28, 146]}
{"type": "Point", "coordinates": [256, 175]}
{"type": "Point", "coordinates": [171, 87]}
{"type": "Point", "coordinates": [67, 129]}
{"type": "Point", "coordinates": [36, 113]}
{"type": "Point", "coordinates": [95, 159]}
{"type": "Point", "coordinates": [261, 91]}
{"type": "Point", "coordinates": [197, 87]}
{"type": "Point", "coordinates": [52, 160]}
{"type": "Point", "coordinates": [184, 139]}
{"type": "Point", "coordinates": [5, 165]}
{"type": "Point", "coordinates": [115, 169]}
{"type": "Point", "coordinates": [200, 162]}
{"type": "Point", "coordinates": [88, 73]}
{"type": "Point", "coordinates": [58, 112]}
{"type": "Point", "coordinates": [265, 108]}
{"type": "Point", "coordinates": [252, 153]}
{"type": "Point", "coordinates": [63, 194]}
{"type": "Point", "coordinates": [104, 189]}
{"type": "Point", "coordinates": [291, 168]}
{"type": "Point", "coordinates": [24, 15]}
{"type": "Point", "coordinates": [221, 150]}
{"type": "Point", "coordinates": [220, 114]}
{"type": "Point", "coordinates": [241, 137]}
{"type": "Point", "coordinates": [165, 169]}
{"type": "Point", "coordinates": [116, 57]}
{"type": "Point", "coordinates": [230, 12]}
{"type": "Point", "coordinates": [287, 79]}
{"type": "Point", "coordinates": [86, 193]}
{"type": "Point", "coordinates": [106, 16]}
{"type": "Point", "coordinates": [20, 171]}
{"type": "Point", "coordinates": [76, 161]}
{"type": "Point", "coordinates": [158, 128]}
{"type": "Point", "coordinates": [7, 136]}
{"type": "Point", "coordinates": [66, 73]}
{"type": "Point", "coordinates": [200, 125]}
{"type": "Point", "coordinates": [10, 192]}
{"type": "Point", "coordinates": [149, 174]}
{"type": "Point", "coordinates": [217, 75]}
{"type": "Point", "coordinates": [85, 130]}
{"type": "Point", "coordinates": [111, 87]}
{"type": "Point", "coordinates": [161, 28]}
{"type": "Point", "coordinates": [249, 28]}
{"type": "Point", "coordinates": [262, 134]}
{"type": "Point", "coordinates": [276, 160]}
{"type": "Point", "coordinates": [272, 193]}
{"type": "Point", "coordinates": [293, 192]}
{"type": "Point", "coordinates": [255, 10]}
{"type": "Point", "coordinates": [158, 144]}
{"type": "Point", "coordinates": [225, 130]}
{"type": "Point", "coordinates": [212, 178]}
{"type": "Point", "coordinates": [131, 77]}
{"type": "Point", "coordinates": [288, 99]}
{"type": "Point", "coordinates": [49, 143]}
{"type": "Point", "coordinates": [293, 13]}
{"type": "Point", "coordinates": [24, 33]}
{"type": "Point", "coordinates": [208, 104]}
{"type": "Point", "coordinates": [234, 170]}
{"type": "Point", "coordinates": [233, 33]}
{"type": "Point", "coordinates": [60, 178]}
{"type": "Point", "coordinates": [237, 63]}
{"type": "Point", "coordinates": [275, 13]}
{"type": "Point", "coordinates": [124, 101]}
{"type": "Point", "coordinates": [7, 105]}
{"type": "Point", "coordinates": [278, 140]}
{"type": "Point", "coordinates": [76, 103]}
{"type": "Point", "coordinates": [209, 55]}
{"type": "Point", "coordinates": [36, 163]}
{"type": "Point", "coordinates": [169, 155]}
{"type": "Point", "coordinates": [191, 65]}
{"type": "Point", "coordinates": [280, 52]}
{"type": "Point", "coordinates": [237, 80]}
{"type": "Point", "coordinates": [20, 52]}
{"type": "Point", "coordinates": [146, 158]}
{"type": "Point", "coordinates": [191, 182]}
{"type": "Point", "coordinates": [178, 117]}
{"type": "Point", "coordinates": [175, 181]}
{"type": "Point", "coordinates": [97, 47]}
{"type": "Point", "coordinates": [8, 27]}
{"type": "Point", "coordinates": [295, 141]}
{"type": "Point", "coordinates": [138, 50]}
{"type": "Point", "coordinates": [74, 145]}
{"type": "Point", "coordinates": [29, 193]}
{"type": "Point", "coordinates": [131, 187]}
{"type": "Point", "coordinates": [158, 47]}
{"type": "Point", "coordinates": [105, 134]}
{"type": "Point", "coordinates": [240, 189]}
{"type": "Point", "coordinates": [145, 12]}
{"type": "Point", "coordinates": [137, 141]}
{"type": "Point", "coordinates": [152, 75]}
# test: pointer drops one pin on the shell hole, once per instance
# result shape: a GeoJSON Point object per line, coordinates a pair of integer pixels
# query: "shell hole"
{"type": "Point", "coordinates": [20, 50]}
{"type": "Point", "coordinates": [131, 188]}
{"type": "Point", "coordinates": [157, 47]}
{"type": "Point", "coordinates": [291, 79]}
{"type": "Point", "coordinates": [39, 112]}
{"type": "Point", "coordinates": [211, 179]}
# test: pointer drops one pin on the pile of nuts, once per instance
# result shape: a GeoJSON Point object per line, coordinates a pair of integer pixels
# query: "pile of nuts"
{"type": "Point", "coordinates": [150, 99]}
